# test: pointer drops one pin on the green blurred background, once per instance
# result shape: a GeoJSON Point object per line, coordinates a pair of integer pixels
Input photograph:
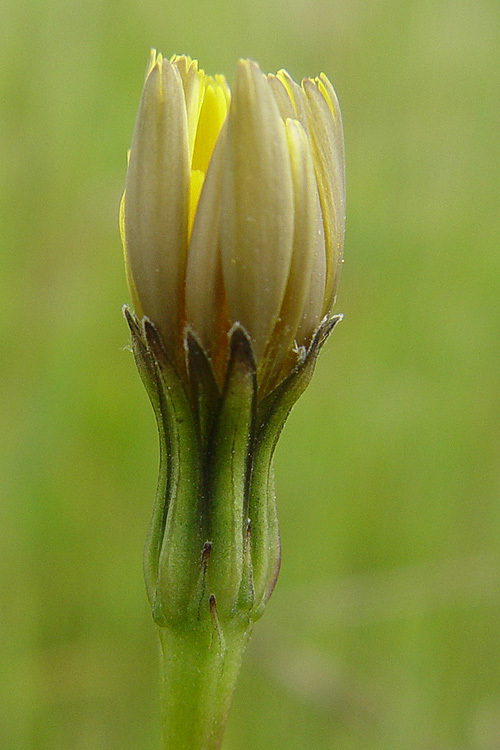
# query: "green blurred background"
{"type": "Point", "coordinates": [384, 630]}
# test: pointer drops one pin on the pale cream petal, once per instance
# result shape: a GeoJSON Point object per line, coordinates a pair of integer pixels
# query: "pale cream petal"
{"type": "Point", "coordinates": [296, 96]}
{"type": "Point", "coordinates": [195, 185]}
{"type": "Point", "coordinates": [193, 82]}
{"type": "Point", "coordinates": [206, 311]}
{"type": "Point", "coordinates": [325, 132]}
{"type": "Point", "coordinates": [281, 97]}
{"type": "Point", "coordinates": [130, 281]}
{"type": "Point", "coordinates": [156, 201]}
{"type": "Point", "coordinates": [182, 63]}
{"type": "Point", "coordinates": [313, 312]}
{"type": "Point", "coordinates": [257, 205]}
{"type": "Point", "coordinates": [220, 80]}
{"type": "Point", "coordinates": [301, 310]}
{"type": "Point", "coordinates": [152, 59]}
{"type": "Point", "coordinates": [329, 95]}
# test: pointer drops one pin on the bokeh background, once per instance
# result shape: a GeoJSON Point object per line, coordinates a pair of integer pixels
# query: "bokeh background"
{"type": "Point", "coordinates": [384, 630]}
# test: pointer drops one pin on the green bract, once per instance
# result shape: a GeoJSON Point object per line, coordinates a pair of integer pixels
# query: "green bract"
{"type": "Point", "coordinates": [214, 529]}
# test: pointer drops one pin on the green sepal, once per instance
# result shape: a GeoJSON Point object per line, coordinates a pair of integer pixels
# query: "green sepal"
{"type": "Point", "coordinates": [175, 537]}
{"type": "Point", "coordinates": [214, 527]}
{"type": "Point", "coordinates": [148, 372]}
{"type": "Point", "coordinates": [204, 391]}
{"type": "Point", "coordinates": [229, 466]}
{"type": "Point", "coordinates": [246, 594]}
{"type": "Point", "coordinates": [272, 414]}
{"type": "Point", "coordinates": [178, 563]}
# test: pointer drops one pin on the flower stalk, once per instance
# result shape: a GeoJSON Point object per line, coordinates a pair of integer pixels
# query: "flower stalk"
{"type": "Point", "coordinates": [199, 671]}
{"type": "Point", "coordinates": [232, 223]}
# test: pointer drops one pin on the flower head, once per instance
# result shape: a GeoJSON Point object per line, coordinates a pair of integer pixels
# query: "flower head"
{"type": "Point", "coordinates": [233, 211]}
{"type": "Point", "coordinates": [232, 223]}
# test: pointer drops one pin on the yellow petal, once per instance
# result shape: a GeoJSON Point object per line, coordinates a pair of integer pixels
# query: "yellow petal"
{"type": "Point", "coordinates": [213, 112]}
{"type": "Point", "coordinates": [156, 200]}
{"type": "Point", "coordinates": [257, 206]}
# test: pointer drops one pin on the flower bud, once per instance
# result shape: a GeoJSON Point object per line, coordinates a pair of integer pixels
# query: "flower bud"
{"type": "Point", "coordinates": [232, 223]}
{"type": "Point", "coordinates": [233, 211]}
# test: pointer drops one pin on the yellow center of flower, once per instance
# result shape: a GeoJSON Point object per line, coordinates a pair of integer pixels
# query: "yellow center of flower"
{"type": "Point", "coordinates": [213, 112]}
{"type": "Point", "coordinates": [207, 102]}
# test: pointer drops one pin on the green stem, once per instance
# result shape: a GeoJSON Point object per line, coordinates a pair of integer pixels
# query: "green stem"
{"type": "Point", "coordinates": [199, 669]}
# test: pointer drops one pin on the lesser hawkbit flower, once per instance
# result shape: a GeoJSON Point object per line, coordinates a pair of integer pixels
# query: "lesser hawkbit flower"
{"type": "Point", "coordinates": [232, 223]}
